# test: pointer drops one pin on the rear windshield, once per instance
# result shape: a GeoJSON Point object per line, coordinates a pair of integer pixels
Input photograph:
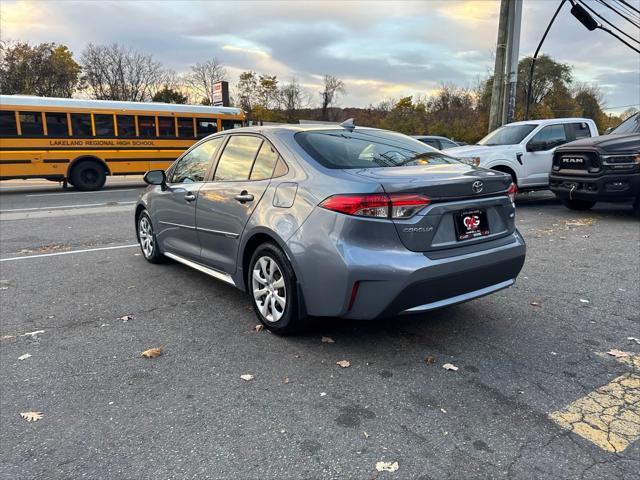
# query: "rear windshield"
{"type": "Point", "coordinates": [342, 149]}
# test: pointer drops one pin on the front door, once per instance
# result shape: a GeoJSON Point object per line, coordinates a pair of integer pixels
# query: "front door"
{"type": "Point", "coordinates": [225, 205]}
{"type": "Point", "coordinates": [175, 207]}
{"type": "Point", "coordinates": [538, 157]}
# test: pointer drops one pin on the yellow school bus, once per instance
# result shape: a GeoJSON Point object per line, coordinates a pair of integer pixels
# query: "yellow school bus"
{"type": "Point", "coordinates": [82, 141]}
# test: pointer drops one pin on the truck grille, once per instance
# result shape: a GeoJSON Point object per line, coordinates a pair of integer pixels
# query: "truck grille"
{"type": "Point", "coordinates": [576, 162]}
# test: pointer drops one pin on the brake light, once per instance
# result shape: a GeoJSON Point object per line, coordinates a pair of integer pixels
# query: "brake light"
{"type": "Point", "coordinates": [513, 189]}
{"type": "Point", "coordinates": [377, 205]}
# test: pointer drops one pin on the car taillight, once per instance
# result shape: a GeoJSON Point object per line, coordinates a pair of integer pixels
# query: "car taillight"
{"type": "Point", "coordinates": [513, 189]}
{"type": "Point", "coordinates": [377, 205]}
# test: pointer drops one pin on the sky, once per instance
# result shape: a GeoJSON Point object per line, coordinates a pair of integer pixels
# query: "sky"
{"type": "Point", "coordinates": [380, 49]}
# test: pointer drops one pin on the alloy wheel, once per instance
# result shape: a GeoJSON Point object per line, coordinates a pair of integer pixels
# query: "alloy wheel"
{"type": "Point", "coordinates": [269, 290]}
{"type": "Point", "coordinates": [145, 232]}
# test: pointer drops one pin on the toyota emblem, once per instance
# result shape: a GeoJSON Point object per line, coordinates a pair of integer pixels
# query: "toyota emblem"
{"type": "Point", "coordinates": [477, 186]}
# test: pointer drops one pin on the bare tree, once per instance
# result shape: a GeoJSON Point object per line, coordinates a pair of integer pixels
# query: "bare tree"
{"type": "Point", "coordinates": [202, 78]}
{"type": "Point", "coordinates": [293, 97]}
{"type": "Point", "coordinates": [332, 87]}
{"type": "Point", "coordinates": [116, 72]}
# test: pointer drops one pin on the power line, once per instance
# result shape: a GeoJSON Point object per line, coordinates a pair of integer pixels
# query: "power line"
{"type": "Point", "coordinates": [627, 10]}
{"type": "Point", "coordinates": [622, 106]}
{"type": "Point", "coordinates": [629, 5]}
{"type": "Point", "coordinates": [622, 40]}
{"type": "Point", "coordinates": [584, 3]}
{"type": "Point", "coordinates": [618, 12]}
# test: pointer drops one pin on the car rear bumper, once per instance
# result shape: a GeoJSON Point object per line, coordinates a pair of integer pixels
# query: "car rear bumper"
{"type": "Point", "coordinates": [377, 276]}
{"type": "Point", "coordinates": [617, 186]}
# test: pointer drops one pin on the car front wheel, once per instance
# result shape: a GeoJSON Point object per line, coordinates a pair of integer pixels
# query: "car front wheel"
{"type": "Point", "coordinates": [579, 205]}
{"type": "Point", "coordinates": [272, 288]}
{"type": "Point", "coordinates": [147, 239]}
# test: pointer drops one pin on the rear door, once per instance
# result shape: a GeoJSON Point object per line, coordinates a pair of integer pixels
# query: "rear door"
{"type": "Point", "coordinates": [242, 174]}
{"type": "Point", "coordinates": [175, 207]}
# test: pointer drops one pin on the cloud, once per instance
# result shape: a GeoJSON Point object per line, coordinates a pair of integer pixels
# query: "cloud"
{"type": "Point", "coordinates": [381, 49]}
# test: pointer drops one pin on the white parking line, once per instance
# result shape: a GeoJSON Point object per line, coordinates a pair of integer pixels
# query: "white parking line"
{"type": "Point", "coordinates": [87, 250]}
{"type": "Point", "coordinates": [81, 193]}
{"type": "Point", "coordinates": [66, 206]}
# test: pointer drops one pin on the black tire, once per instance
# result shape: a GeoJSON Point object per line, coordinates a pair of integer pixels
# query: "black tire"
{"type": "Point", "coordinates": [579, 205]}
{"type": "Point", "coordinates": [289, 320]}
{"type": "Point", "coordinates": [88, 175]}
{"type": "Point", "coordinates": [150, 251]}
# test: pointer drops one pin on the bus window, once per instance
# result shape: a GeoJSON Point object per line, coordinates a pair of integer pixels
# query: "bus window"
{"type": "Point", "coordinates": [81, 125]}
{"type": "Point", "coordinates": [206, 126]}
{"type": "Point", "coordinates": [8, 124]}
{"type": "Point", "coordinates": [104, 125]}
{"type": "Point", "coordinates": [57, 125]}
{"type": "Point", "coordinates": [166, 126]}
{"type": "Point", "coordinates": [31, 123]}
{"type": "Point", "coordinates": [230, 124]}
{"type": "Point", "coordinates": [185, 127]}
{"type": "Point", "coordinates": [147, 126]}
{"type": "Point", "coordinates": [126, 126]}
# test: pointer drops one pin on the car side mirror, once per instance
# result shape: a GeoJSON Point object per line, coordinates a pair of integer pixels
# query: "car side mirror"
{"type": "Point", "coordinates": [608, 131]}
{"type": "Point", "coordinates": [536, 146]}
{"type": "Point", "coordinates": [156, 177]}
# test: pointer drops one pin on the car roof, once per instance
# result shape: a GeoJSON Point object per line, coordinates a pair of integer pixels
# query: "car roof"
{"type": "Point", "coordinates": [431, 136]}
{"type": "Point", "coordinates": [550, 120]}
{"type": "Point", "coordinates": [306, 127]}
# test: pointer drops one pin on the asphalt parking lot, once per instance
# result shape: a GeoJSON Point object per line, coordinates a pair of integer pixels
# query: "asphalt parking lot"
{"type": "Point", "coordinates": [535, 394]}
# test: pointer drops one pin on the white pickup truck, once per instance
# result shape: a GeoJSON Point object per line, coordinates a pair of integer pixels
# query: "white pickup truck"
{"type": "Point", "coordinates": [525, 149]}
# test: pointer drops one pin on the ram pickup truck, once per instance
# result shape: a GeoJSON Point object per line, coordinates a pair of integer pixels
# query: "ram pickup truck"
{"type": "Point", "coordinates": [605, 168]}
{"type": "Point", "coordinates": [525, 149]}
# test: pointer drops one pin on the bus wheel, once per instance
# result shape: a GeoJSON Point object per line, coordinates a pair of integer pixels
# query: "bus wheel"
{"type": "Point", "coordinates": [88, 175]}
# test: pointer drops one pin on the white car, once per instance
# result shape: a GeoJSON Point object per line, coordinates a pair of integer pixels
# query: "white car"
{"type": "Point", "coordinates": [525, 149]}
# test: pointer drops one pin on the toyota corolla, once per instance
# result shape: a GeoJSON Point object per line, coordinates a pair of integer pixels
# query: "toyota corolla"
{"type": "Point", "coordinates": [333, 220]}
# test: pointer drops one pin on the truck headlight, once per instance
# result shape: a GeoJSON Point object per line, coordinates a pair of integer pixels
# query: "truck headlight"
{"type": "Point", "coordinates": [473, 161]}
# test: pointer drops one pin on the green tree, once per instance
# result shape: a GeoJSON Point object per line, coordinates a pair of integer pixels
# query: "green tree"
{"type": "Point", "coordinates": [169, 95]}
{"type": "Point", "coordinates": [407, 117]}
{"type": "Point", "coordinates": [246, 91]}
{"type": "Point", "coordinates": [46, 69]}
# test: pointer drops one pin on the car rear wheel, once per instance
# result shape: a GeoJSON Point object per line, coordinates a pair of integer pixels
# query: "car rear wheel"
{"type": "Point", "coordinates": [579, 205]}
{"type": "Point", "coordinates": [147, 239]}
{"type": "Point", "coordinates": [88, 175]}
{"type": "Point", "coordinates": [272, 287]}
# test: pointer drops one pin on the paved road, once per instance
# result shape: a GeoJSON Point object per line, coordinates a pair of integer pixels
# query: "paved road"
{"type": "Point", "coordinates": [523, 354]}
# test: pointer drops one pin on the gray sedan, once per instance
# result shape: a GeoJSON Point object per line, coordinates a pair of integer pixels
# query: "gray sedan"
{"type": "Point", "coordinates": [327, 220]}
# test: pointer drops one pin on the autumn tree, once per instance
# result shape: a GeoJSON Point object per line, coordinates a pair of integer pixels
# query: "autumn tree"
{"type": "Point", "coordinates": [169, 95]}
{"type": "Point", "coordinates": [46, 69]}
{"type": "Point", "coordinates": [116, 72]}
{"type": "Point", "coordinates": [293, 97]}
{"type": "Point", "coordinates": [332, 87]}
{"type": "Point", "coordinates": [246, 92]}
{"type": "Point", "coordinates": [407, 117]}
{"type": "Point", "coordinates": [203, 77]}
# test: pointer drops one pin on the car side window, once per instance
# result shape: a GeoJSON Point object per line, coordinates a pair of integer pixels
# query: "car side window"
{"type": "Point", "coordinates": [550, 137]}
{"type": "Point", "coordinates": [431, 142]}
{"type": "Point", "coordinates": [237, 158]}
{"type": "Point", "coordinates": [447, 144]}
{"type": "Point", "coordinates": [265, 162]}
{"type": "Point", "coordinates": [192, 167]}
{"type": "Point", "coordinates": [580, 130]}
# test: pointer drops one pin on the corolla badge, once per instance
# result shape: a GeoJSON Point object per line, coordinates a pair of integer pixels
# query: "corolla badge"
{"type": "Point", "coordinates": [477, 186]}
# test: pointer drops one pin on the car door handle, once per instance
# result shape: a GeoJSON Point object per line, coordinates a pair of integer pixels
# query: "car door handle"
{"type": "Point", "coordinates": [244, 197]}
{"type": "Point", "coordinates": [190, 197]}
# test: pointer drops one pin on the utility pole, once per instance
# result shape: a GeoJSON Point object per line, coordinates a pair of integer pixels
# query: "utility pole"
{"type": "Point", "coordinates": [513, 52]}
{"type": "Point", "coordinates": [497, 92]}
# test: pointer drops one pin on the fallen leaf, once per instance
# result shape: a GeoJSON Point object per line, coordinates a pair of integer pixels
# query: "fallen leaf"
{"type": "Point", "coordinates": [535, 304]}
{"type": "Point", "coordinates": [450, 366]}
{"type": "Point", "coordinates": [584, 300]}
{"type": "Point", "coordinates": [152, 352]}
{"type": "Point", "coordinates": [366, 435]}
{"type": "Point", "coordinates": [328, 340]}
{"type": "Point", "coordinates": [24, 357]}
{"type": "Point", "coordinates": [7, 337]}
{"type": "Point", "coordinates": [618, 353]}
{"type": "Point", "coordinates": [32, 334]}
{"type": "Point", "coordinates": [634, 339]}
{"type": "Point", "coordinates": [31, 416]}
{"type": "Point", "coordinates": [323, 394]}
{"type": "Point", "coordinates": [343, 363]}
{"type": "Point", "coordinates": [126, 318]}
{"type": "Point", "coordinates": [582, 222]}
{"type": "Point", "coordinates": [387, 466]}
{"type": "Point", "coordinates": [259, 327]}
{"type": "Point", "coordinates": [443, 410]}
{"type": "Point", "coordinates": [246, 377]}
{"type": "Point", "coordinates": [286, 380]}
{"type": "Point", "coordinates": [430, 360]}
